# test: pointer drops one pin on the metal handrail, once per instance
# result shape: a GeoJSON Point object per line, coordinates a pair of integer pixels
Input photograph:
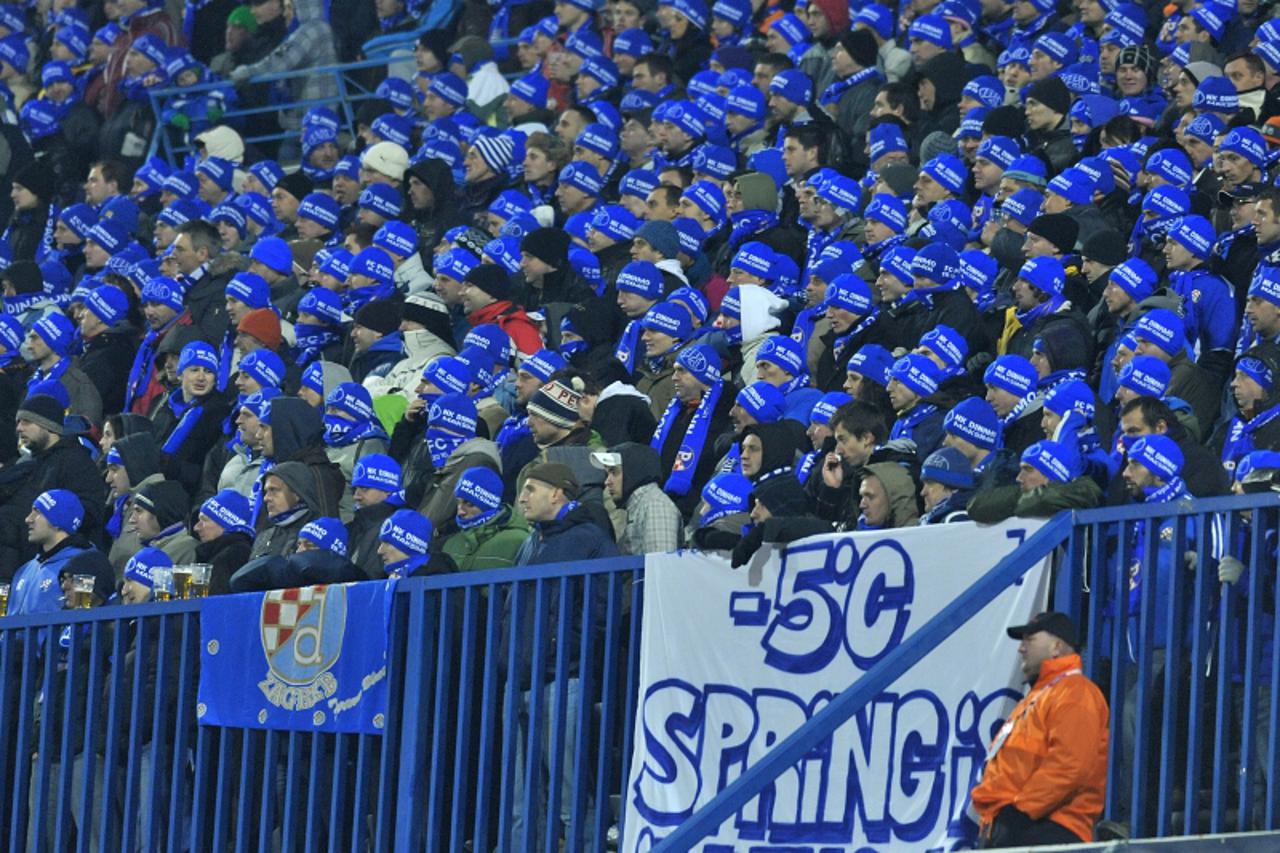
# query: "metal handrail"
{"type": "Point", "coordinates": [347, 92]}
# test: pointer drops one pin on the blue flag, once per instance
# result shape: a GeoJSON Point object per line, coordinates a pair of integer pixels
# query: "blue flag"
{"type": "Point", "coordinates": [310, 659]}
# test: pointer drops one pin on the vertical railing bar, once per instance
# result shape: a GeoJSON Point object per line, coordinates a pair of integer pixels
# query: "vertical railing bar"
{"type": "Point", "coordinates": [559, 713]}
{"type": "Point", "coordinates": [462, 725]}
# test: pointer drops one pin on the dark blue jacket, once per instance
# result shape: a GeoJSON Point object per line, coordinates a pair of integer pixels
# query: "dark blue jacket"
{"type": "Point", "coordinates": [576, 536]}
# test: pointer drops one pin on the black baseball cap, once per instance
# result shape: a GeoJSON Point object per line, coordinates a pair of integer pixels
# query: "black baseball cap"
{"type": "Point", "coordinates": [1240, 192]}
{"type": "Point", "coordinates": [1053, 622]}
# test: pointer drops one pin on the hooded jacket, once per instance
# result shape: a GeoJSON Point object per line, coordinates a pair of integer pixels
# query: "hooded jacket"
{"type": "Point", "coordinates": [991, 506]}
{"type": "Point", "coordinates": [654, 525]}
{"type": "Point", "coordinates": [901, 489]}
{"type": "Point", "coordinates": [948, 74]}
{"type": "Point", "coordinates": [141, 457]}
{"type": "Point", "coordinates": [280, 537]}
{"type": "Point", "coordinates": [574, 537]}
{"type": "Point", "coordinates": [760, 320]}
{"type": "Point", "coordinates": [297, 434]}
{"type": "Point", "coordinates": [443, 214]}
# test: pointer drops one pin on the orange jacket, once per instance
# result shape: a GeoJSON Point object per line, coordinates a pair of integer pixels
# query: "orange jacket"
{"type": "Point", "coordinates": [1054, 761]}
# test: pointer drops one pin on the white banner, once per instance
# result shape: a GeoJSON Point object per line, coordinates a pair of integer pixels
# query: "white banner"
{"type": "Point", "coordinates": [734, 661]}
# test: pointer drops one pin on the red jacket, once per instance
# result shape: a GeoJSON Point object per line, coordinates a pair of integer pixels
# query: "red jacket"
{"type": "Point", "coordinates": [1053, 763]}
{"type": "Point", "coordinates": [512, 320]}
{"type": "Point", "coordinates": [154, 22]}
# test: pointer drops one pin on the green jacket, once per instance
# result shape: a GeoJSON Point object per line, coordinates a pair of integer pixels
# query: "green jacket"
{"type": "Point", "coordinates": [991, 506]}
{"type": "Point", "coordinates": [492, 545]}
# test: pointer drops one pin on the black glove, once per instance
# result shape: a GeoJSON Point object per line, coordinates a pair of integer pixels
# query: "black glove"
{"type": "Point", "coordinates": [746, 549]}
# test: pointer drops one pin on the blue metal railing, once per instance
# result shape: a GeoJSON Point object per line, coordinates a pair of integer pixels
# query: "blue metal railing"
{"type": "Point", "coordinates": [499, 682]}
{"type": "Point", "coordinates": [348, 90]}
{"type": "Point", "coordinates": [1171, 702]}
{"type": "Point", "coordinates": [512, 693]}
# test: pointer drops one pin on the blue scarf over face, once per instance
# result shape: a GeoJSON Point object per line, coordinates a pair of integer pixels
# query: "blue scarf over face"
{"type": "Point", "coordinates": [356, 298]}
{"type": "Point", "coordinates": [115, 524]}
{"type": "Point", "coordinates": [476, 521]}
{"type": "Point", "coordinates": [695, 438]}
{"type": "Point", "coordinates": [22, 303]}
{"type": "Point", "coordinates": [442, 445]}
{"type": "Point", "coordinates": [904, 426]}
{"type": "Point", "coordinates": [1240, 442]}
{"type": "Point", "coordinates": [838, 346]}
{"type": "Point", "coordinates": [1026, 318]}
{"type": "Point", "coordinates": [312, 340]}
{"type": "Point", "coordinates": [343, 432]}
{"type": "Point", "coordinates": [839, 87]}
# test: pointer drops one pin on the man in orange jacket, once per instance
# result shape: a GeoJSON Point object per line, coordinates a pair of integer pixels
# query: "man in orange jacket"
{"type": "Point", "coordinates": [1046, 771]}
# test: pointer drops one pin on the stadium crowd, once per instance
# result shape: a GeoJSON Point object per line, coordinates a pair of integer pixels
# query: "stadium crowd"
{"type": "Point", "coordinates": [693, 273]}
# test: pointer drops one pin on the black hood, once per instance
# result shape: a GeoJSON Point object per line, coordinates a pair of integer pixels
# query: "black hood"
{"type": "Point", "coordinates": [641, 464]}
{"type": "Point", "coordinates": [780, 442]}
{"type": "Point", "coordinates": [140, 455]}
{"type": "Point", "coordinates": [295, 426]}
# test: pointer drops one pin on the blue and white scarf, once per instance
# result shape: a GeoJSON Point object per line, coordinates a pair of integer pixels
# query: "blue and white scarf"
{"type": "Point", "coordinates": [695, 438]}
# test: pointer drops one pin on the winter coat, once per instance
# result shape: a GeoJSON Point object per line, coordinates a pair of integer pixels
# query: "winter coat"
{"type": "Point", "coordinates": [991, 506]}
{"type": "Point", "coordinates": [199, 434]}
{"type": "Point", "coordinates": [207, 298]}
{"type": "Point", "coordinates": [64, 465]}
{"type": "Point", "coordinates": [657, 385]}
{"type": "Point", "coordinates": [437, 502]}
{"type": "Point", "coordinates": [511, 319]}
{"type": "Point", "coordinates": [378, 360]}
{"type": "Point", "coordinates": [297, 431]}
{"type": "Point", "coordinates": [85, 400]}
{"type": "Point", "coordinates": [575, 537]}
{"type": "Point", "coordinates": [420, 348]}
{"type": "Point", "coordinates": [1053, 764]}
{"type": "Point", "coordinates": [127, 543]}
{"type": "Point", "coordinates": [362, 538]}
{"type": "Point", "coordinates": [1189, 381]}
{"type": "Point", "coordinates": [106, 361]}
{"type": "Point", "coordinates": [36, 586]}
{"type": "Point", "coordinates": [179, 545]}
{"type": "Point", "coordinates": [226, 555]}
{"type": "Point", "coordinates": [492, 545]}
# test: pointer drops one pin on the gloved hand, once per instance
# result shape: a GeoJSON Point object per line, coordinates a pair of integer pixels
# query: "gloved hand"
{"type": "Point", "coordinates": [746, 549]}
{"type": "Point", "coordinates": [1190, 558]}
{"type": "Point", "coordinates": [1229, 569]}
{"type": "Point", "coordinates": [240, 75]}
